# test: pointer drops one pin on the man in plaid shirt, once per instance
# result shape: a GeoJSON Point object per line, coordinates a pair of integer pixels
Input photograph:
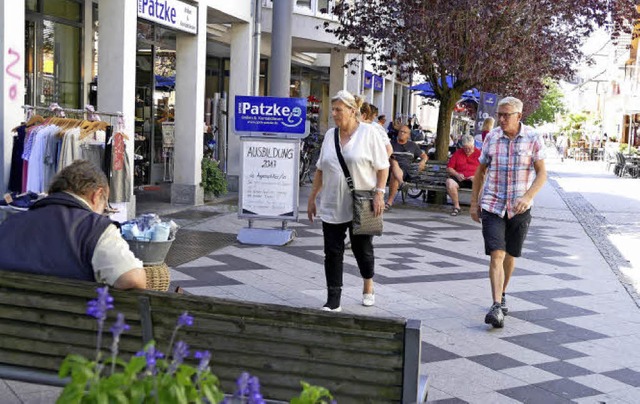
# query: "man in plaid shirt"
{"type": "Point", "coordinates": [512, 162]}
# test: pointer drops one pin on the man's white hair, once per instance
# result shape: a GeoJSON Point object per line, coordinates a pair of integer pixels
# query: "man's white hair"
{"type": "Point", "coordinates": [513, 102]}
{"type": "Point", "coordinates": [467, 139]}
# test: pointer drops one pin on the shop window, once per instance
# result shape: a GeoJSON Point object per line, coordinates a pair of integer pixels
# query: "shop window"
{"type": "Point", "coordinates": [67, 9]}
{"type": "Point", "coordinates": [58, 65]}
{"type": "Point", "coordinates": [303, 3]}
{"type": "Point", "coordinates": [324, 6]}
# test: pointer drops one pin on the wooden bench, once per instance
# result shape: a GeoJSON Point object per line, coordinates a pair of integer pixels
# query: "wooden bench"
{"type": "Point", "coordinates": [360, 359]}
{"type": "Point", "coordinates": [432, 178]}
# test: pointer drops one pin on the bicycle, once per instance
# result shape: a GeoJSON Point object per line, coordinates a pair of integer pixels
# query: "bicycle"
{"type": "Point", "coordinates": [309, 149]}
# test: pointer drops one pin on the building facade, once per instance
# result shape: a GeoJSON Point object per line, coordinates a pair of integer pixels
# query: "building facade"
{"type": "Point", "coordinates": [171, 68]}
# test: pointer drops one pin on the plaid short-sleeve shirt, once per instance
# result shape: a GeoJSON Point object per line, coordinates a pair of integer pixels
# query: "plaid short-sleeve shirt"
{"type": "Point", "coordinates": [510, 170]}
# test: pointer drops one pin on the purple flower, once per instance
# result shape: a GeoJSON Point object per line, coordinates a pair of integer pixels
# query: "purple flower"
{"type": "Point", "coordinates": [180, 352]}
{"type": "Point", "coordinates": [151, 355]}
{"type": "Point", "coordinates": [254, 391]}
{"type": "Point", "coordinates": [205, 357]}
{"type": "Point", "coordinates": [98, 307]}
{"type": "Point", "coordinates": [185, 320]}
{"type": "Point", "coordinates": [249, 386]}
{"type": "Point", "coordinates": [242, 385]}
{"type": "Point", "coordinates": [119, 326]}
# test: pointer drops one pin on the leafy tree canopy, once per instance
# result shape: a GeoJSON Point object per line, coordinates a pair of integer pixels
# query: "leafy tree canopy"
{"type": "Point", "coordinates": [550, 105]}
{"type": "Point", "coordinates": [500, 46]}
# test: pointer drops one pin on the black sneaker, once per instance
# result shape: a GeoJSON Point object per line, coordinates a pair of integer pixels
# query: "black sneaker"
{"type": "Point", "coordinates": [495, 317]}
{"type": "Point", "coordinates": [333, 299]}
{"type": "Point", "coordinates": [503, 306]}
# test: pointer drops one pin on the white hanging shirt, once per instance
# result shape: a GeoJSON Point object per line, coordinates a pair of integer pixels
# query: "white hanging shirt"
{"type": "Point", "coordinates": [364, 154]}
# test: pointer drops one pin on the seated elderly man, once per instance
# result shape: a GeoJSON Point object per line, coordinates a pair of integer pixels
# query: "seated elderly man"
{"type": "Point", "coordinates": [405, 152]}
{"type": "Point", "coordinates": [66, 234]}
{"type": "Point", "coordinates": [461, 169]}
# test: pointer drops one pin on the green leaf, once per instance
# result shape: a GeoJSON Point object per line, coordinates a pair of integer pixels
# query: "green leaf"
{"type": "Point", "coordinates": [212, 393]}
{"type": "Point", "coordinates": [71, 394]}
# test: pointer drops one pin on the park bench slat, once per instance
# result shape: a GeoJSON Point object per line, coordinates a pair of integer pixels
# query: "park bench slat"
{"type": "Point", "coordinates": [360, 359]}
{"type": "Point", "coordinates": [54, 318]}
{"type": "Point", "coordinates": [175, 304]}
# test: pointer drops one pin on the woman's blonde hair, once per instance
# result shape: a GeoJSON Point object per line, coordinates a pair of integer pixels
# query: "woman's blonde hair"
{"type": "Point", "coordinates": [488, 123]}
{"type": "Point", "coordinates": [351, 101]}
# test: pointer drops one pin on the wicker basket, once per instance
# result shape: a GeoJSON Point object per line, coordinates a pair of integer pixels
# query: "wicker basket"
{"type": "Point", "coordinates": [158, 277]}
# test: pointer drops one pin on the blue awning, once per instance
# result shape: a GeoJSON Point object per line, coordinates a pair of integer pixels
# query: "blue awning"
{"type": "Point", "coordinates": [164, 83]}
{"type": "Point", "coordinates": [426, 90]}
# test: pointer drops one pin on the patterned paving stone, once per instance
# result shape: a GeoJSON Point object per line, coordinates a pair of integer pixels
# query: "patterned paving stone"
{"type": "Point", "coordinates": [533, 394]}
{"type": "Point", "coordinates": [565, 277]}
{"type": "Point", "coordinates": [627, 376]}
{"type": "Point", "coordinates": [455, 239]}
{"type": "Point", "coordinates": [568, 389]}
{"type": "Point", "coordinates": [449, 401]}
{"type": "Point", "coordinates": [397, 267]}
{"type": "Point", "coordinates": [563, 369]}
{"type": "Point", "coordinates": [496, 361]}
{"type": "Point", "coordinates": [443, 264]}
{"type": "Point", "coordinates": [431, 353]}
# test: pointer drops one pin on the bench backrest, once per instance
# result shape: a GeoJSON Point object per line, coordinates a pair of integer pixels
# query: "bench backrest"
{"type": "Point", "coordinates": [360, 359]}
{"type": "Point", "coordinates": [435, 173]}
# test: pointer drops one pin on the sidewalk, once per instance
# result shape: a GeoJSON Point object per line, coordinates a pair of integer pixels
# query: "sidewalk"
{"type": "Point", "coordinates": [573, 328]}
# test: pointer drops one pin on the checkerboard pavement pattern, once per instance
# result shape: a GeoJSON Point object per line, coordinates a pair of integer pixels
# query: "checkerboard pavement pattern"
{"type": "Point", "coordinates": [572, 333]}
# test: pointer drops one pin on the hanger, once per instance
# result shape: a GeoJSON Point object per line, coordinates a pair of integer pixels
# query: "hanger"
{"type": "Point", "coordinates": [92, 127]}
{"type": "Point", "coordinates": [35, 120]}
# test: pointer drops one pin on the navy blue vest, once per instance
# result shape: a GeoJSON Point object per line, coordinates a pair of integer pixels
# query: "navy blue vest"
{"type": "Point", "coordinates": [56, 236]}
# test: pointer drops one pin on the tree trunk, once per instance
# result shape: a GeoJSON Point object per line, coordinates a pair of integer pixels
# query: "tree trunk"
{"type": "Point", "coordinates": [447, 104]}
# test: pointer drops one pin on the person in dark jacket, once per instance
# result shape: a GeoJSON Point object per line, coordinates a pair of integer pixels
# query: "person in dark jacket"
{"type": "Point", "coordinates": [65, 234]}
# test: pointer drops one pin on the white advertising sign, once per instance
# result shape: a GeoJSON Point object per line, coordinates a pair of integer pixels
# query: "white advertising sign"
{"type": "Point", "coordinates": [171, 13]}
{"type": "Point", "coordinates": [269, 178]}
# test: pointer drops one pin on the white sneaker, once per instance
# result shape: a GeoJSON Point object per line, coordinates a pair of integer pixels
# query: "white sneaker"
{"type": "Point", "coordinates": [336, 310]}
{"type": "Point", "coordinates": [368, 299]}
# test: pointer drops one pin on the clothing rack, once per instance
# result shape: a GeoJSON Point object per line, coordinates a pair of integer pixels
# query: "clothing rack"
{"type": "Point", "coordinates": [72, 111]}
{"type": "Point", "coordinates": [54, 108]}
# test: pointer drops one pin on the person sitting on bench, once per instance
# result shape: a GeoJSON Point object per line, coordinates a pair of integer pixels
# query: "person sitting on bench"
{"type": "Point", "coordinates": [66, 234]}
{"type": "Point", "coordinates": [461, 168]}
{"type": "Point", "coordinates": [404, 153]}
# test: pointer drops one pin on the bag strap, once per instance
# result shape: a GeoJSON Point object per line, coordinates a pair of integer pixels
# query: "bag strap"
{"type": "Point", "coordinates": [345, 169]}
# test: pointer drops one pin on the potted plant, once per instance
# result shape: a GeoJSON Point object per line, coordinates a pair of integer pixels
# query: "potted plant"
{"type": "Point", "coordinates": [214, 182]}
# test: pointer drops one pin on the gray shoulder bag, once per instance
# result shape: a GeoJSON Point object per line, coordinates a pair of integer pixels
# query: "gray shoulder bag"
{"type": "Point", "coordinates": [364, 221]}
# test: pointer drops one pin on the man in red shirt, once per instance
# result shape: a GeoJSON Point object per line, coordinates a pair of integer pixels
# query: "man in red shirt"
{"type": "Point", "coordinates": [461, 168]}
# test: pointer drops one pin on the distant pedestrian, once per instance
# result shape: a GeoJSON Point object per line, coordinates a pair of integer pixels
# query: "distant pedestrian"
{"type": "Point", "coordinates": [382, 120]}
{"type": "Point", "coordinates": [512, 162]}
{"type": "Point", "coordinates": [562, 143]}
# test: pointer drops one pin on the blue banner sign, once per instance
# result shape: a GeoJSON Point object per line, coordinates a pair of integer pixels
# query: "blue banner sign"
{"type": "Point", "coordinates": [487, 108]}
{"type": "Point", "coordinates": [377, 83]}
{"type": "Point", "coordinates": [368, 78]}
{"type": "Point", "coordinates": [270, 114]}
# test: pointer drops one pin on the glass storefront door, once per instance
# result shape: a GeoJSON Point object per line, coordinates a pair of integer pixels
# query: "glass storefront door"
{"type": "Point", "coordinates": [155, 100]}
{"type": "Point", "coordinates": [53, 42]}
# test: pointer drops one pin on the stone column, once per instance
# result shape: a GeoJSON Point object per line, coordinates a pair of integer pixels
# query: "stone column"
{"type": "Point", "coordinates": [117, 70]}
{"type": "Point", "coordinates": [354, 81]}
{"type": "Point", "coordinates": [239, 84]}
{"type": "Point", "coordinates": [13, 82]}
{"type": "Point", "coordinates": [387, 104]}
{"type": "Point", "coordinates": [87, 51]}
{"type": "Point", "coordinates": [337, 73]}
{"type": "Point", "coordinates": [280, 69]}
{"type": "Point", "coordinates": [191, 59]}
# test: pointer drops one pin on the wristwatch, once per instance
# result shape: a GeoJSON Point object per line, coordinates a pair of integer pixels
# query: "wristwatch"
{"type": "Point", "coordinates": [381, 190]}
